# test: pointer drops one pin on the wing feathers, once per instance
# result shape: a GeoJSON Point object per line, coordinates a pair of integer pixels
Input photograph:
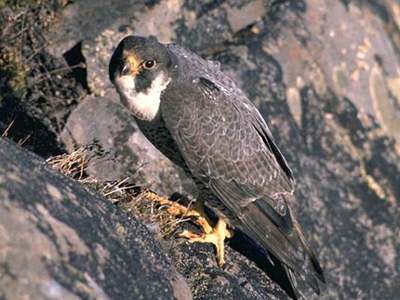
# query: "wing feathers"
{"type": "Point", "coordinates": [226, 143]}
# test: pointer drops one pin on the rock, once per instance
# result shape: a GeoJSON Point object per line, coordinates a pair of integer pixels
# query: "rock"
{"type": "Point", "coordinates": [129, 154]}
{"type": "Point", "coordinates": [343, 152]}
{"type": "Point", "coordinates": [37, 92]}
{"type": "Point", "coordinates": [58, 241]}
{"type": "Point", "coordinates": [325, 76]}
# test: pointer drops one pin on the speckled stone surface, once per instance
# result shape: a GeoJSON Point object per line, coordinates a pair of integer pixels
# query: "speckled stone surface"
{"type": "Point", "coordinates": [325, 74]}
{"type": "Point", "coordinates": [58, 241]}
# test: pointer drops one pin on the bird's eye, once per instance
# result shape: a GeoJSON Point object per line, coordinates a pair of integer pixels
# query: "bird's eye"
{"type": "Point", "coordinates": [149, 64]}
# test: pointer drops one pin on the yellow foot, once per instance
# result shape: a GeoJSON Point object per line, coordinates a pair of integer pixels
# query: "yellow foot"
{"type": "Point", "coordinates": [177, 209]}
{"type": "Point", "coordinates": [216, 237]}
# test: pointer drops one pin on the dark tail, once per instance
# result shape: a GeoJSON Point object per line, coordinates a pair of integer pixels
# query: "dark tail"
{"type": "Point", "coordinates": [282, 236]}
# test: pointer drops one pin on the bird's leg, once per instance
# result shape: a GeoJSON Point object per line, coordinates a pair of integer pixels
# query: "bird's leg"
{"type": "Point", "coordinates": [216, 237]}
{"type": "Point", "coordinates": [177, 209]}
{"type": "Point", "coordinates": [202, 218]}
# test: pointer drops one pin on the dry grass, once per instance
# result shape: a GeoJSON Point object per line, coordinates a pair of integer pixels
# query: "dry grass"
{"type": "Point", "coordinates": [72, 165]}
{"type": "Point", "coordinates": [157, 212]}
{"type": "Point", "coordinates": [20, 142]}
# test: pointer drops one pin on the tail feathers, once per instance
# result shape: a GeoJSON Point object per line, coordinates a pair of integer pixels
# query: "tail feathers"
{"type": "Point", "coordinates": [283, 237]}
{"type": "Point", "coordinates": [293, 281]}
{"type": "Point", "coordinates": [313, 273]}
{"type": "Point", "coordinates": [314, 270]}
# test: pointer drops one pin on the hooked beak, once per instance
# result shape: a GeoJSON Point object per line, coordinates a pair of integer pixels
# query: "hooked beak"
{"type": "Point", "coordinates": [130, 66]}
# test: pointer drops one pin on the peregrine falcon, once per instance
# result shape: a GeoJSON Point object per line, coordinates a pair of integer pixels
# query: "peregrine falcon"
{"type": "Point", "coordinates": [198, 117]}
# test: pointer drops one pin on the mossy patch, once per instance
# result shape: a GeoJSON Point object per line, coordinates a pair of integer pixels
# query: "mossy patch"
{"type": "Point", "coordinates": [37, 89]}
{"type": "Point", "coordinates": [12, 72]}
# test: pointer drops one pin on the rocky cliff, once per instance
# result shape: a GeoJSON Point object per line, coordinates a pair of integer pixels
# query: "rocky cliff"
{"type": "Point", "coordinates": [324, 74]}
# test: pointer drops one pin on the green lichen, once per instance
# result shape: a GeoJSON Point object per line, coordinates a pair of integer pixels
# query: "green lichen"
{"type": "Point", "coordinates": [18, 3]}
{"type": "Point", "coordinates": [12, 72]}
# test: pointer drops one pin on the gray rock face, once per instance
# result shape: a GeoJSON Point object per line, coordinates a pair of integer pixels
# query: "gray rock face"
{"type": "Point", "coordinates": [58, 241]}
{"type": "Point", "coordinates": [325, 74]}
{"type": "Point", "coordinates": [129, 154]}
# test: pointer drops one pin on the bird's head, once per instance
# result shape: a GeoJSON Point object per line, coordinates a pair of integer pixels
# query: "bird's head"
{"type": "Point", "coordinates": [139, 69]}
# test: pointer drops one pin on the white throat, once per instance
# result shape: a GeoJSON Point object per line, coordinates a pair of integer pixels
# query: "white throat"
{"type": "Point", "coordinates": [144, 105]}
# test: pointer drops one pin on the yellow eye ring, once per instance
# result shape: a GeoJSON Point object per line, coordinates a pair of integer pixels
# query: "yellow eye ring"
{"type": "Point", "coordinates": [149, 64]}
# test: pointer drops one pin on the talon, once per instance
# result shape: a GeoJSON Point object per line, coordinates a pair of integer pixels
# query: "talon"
{"type": "Point", "coordinates": [215, 236]}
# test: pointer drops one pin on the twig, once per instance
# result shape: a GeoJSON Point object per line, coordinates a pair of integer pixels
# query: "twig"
{"type": "Point", "coordinates": [21, 142]}
{"type": "Point", "coordinates": [39, 77]}
{"type": "Point", "coordinates": [5, 133]}
{"type": "Point", "coordinates": [36, 52]}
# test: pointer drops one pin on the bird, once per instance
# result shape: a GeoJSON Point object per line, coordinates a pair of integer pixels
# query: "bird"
{"type": "Point", "coordinates": [203, 122]}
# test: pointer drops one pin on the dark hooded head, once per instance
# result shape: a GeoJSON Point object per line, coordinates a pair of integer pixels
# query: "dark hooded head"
{"type": "Point", "coordinates": [139, 69]}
